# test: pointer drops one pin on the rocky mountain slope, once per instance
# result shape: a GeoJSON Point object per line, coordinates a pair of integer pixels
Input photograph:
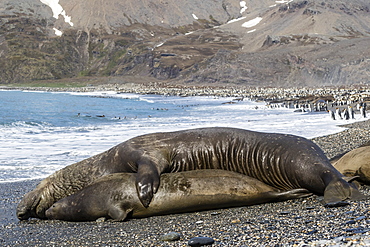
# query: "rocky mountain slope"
{"type": "Point", "coordinates": [256, 43]}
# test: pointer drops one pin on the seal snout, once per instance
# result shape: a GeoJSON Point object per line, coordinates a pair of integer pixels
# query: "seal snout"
{"type": "Point", "coordinates": [50, 212]}
{"type": "Point", "coordinates": [23, 214]}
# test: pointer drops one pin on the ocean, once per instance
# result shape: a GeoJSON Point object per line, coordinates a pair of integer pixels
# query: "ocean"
{"type": "Point", "coordinates": [41, 132]}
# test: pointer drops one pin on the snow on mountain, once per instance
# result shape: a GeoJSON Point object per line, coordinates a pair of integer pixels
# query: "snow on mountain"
{"type": "Point", "coordinates": [252, 22]}
{"type": "Point", "coordinates": [265, 42]}
{"type": "Point", "coordinates": [58, 10]}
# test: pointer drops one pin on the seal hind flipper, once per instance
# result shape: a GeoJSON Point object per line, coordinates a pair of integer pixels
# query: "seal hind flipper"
{"type": "Point", "coordinates": [340, 190]}
{"type": "Point", "coordinates": [292, 194]}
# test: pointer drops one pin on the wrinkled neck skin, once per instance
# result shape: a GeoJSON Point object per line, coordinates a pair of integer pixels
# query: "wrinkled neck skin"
{"type": "Point", "coordinates": [282, 161]}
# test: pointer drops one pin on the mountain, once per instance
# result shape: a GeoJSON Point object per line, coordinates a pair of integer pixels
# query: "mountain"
{"type": "Point", "coordinates": [254, 43]}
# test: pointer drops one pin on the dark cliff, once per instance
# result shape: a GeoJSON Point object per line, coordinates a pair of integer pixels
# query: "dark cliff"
{"type": "Point", "coordinates": [257, 43]}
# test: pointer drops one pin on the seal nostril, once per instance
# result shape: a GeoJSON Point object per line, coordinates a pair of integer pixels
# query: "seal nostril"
{"type": "Point", "coordinates": [22, 216]}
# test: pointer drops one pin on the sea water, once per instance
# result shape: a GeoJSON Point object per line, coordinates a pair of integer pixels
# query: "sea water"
{"type": "Point", "coordinates": [41, 132]}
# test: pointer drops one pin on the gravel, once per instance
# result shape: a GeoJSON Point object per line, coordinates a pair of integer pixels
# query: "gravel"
{"type": "Point", "coordinates": [336, 145]}
{"type": "Point", "coordinates": [302, 222]}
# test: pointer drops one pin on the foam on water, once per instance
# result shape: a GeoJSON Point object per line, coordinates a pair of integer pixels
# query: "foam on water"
{"type": "Point", "coordinates": [41, 132]}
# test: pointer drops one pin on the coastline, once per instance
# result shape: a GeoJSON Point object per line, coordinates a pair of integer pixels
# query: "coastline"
{"type": "Point", "coordinates": [217, 90]}
{"type": "Point", "coordinates": [301, 222]}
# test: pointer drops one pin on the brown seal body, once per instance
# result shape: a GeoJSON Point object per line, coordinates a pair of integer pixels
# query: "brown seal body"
{"type": "Point", "coordinates": [356, 163]}
{"type": "Point", "coordinates": [114, 196]}
{"type": "Point", "coordinates": [283, 161]}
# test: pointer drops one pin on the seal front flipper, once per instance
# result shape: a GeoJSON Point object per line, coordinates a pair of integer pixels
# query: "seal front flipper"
{"type": "Point", "coordinates": [147, 183]}
{"type": "Point", "coordinates": [342, 189]}
{"type": "Point", "coordinates": [119, 214]}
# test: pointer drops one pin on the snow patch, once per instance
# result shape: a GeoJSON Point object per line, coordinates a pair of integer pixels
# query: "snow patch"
{"type": "Point", "coordinates": [284, 1]}
{"type": "Point", "coordinates": [235, 20]}
{"type": "Point", "coordinates": [251, 31]}
{"type": "Point", "coordinates": [243, 6]}
{"type": "Point", "coordinates": [57, 10]}
{"type": "Point", "coordinates": [195, 17]}
{"type": "Point", "coordinates": [252, 22]}
{"type": "Point", "coordinates": [57, 32]}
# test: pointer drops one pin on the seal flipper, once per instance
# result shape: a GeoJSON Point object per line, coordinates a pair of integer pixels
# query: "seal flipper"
{"type": "Point", "coordinates": [147, 183]}
{"type": "Point", "coordinates": [341, 190]}
{"type": "Point", "coordinates": [119, 214]}
{"type": "Point", "coordinates": [292, 194]}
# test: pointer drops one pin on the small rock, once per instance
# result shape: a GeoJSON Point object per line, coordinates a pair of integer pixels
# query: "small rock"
{"type": "Point", "coordinates": [200, 241]}
{"type": "Point", "coordinates": [338, 239]}
{"type": "Point", "coordinates": [360, 218]}
{"type": "Point", "coordinates": [284, 212]}
{"type": "Point", "coordinates": [172, 236]}
{"type": "Point", "coordinates": [312, 232]}
{"type": "Point", "coordinates": [350, 222]}
{"type": "Point", "coordinates": [101, 219]}
{"type": "Point", "coordinates": [336, 204]}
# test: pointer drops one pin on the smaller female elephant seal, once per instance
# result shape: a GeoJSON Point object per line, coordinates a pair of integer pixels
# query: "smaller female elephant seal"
{"type": "Point", "coordinates": [114, 196]}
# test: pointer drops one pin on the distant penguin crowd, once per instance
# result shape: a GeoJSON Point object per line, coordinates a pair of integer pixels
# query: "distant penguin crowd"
{"type": "Point", "coordinates": [338, 110]}
{"type": "Point", "coordinates": [349, 112]}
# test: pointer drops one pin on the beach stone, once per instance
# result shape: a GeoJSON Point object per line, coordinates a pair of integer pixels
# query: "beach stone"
{"type": "Point", "coordinates": [360, 218]}
{"type": "Point", "coordinates": [284, 212]}
{"type": "Point", "coordinates": [356, 163]}
{"type": "Point", "coordinates": [312, 232]}
{"type": "Point", "coordinates": [350, 222]}
{"type": "Point", "coordinates": [337, 204]}
{"type": "Point", "coordinates": [172, 236]}
{"type": "Point", "coordinates": [102, 219]}
{"type": "Point", "coordinates": [201, 241]}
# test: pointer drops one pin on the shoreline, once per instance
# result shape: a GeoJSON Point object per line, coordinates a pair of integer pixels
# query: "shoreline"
{"type": "Point", "coordinates": [223, 90]}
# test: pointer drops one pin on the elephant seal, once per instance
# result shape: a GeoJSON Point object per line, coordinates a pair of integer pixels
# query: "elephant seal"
{"type": "Point", "coordinates": [114, 196]}
{"type": "Point", "coordinates": [283, 161]}
{"type": "Point", "coordinates": [356, 163]}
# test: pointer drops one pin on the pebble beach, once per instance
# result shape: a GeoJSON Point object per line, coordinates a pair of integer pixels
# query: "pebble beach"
{"type": "Point", "coordinates": [301, 222]}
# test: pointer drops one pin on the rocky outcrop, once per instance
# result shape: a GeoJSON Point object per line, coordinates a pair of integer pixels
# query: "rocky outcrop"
{"type": "Point", "coordinates": [257, 43]}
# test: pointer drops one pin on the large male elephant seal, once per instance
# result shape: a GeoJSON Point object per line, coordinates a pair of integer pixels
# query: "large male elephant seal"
{"type": "Point", "coordinates": [114, 196]}
{"type": "Point", "coordinates": [283, 161]}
